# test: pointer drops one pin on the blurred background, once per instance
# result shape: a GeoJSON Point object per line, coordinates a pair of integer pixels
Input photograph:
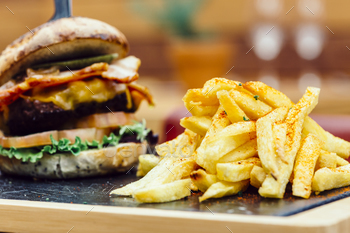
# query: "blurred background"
{"type": "Point", "coordinates": [288, 44]}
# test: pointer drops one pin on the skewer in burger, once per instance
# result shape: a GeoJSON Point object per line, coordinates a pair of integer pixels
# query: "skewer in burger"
{"type": "Point", "coordinates": [67, 99]}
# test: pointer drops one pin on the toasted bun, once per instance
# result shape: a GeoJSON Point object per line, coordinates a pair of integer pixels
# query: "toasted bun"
{"type": "Point", "coordinates": [67, 38]}
{"type": "Point", "coordinates": [88, 163]}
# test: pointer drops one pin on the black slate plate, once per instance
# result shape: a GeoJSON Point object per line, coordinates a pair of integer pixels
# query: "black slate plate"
{"type": "Point", "coordinates": [95, 191]}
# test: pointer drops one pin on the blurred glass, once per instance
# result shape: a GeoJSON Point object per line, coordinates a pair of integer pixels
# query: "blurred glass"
{"type": "Point", "coordinates": [269, 8]}
{"type": "Point", "coordinates": [309, 41]}
{"type": "Point", "coordinates": [267, 40]}
{"type": "Point", "coordinates": [311, 9]}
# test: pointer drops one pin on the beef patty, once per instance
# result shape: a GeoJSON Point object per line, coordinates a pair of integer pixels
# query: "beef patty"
{"type": "Point", "coordinates": [28, 117]}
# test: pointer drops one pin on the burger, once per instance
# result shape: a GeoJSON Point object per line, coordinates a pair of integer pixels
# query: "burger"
{"type": "Point", "coordinates": [67, 99]}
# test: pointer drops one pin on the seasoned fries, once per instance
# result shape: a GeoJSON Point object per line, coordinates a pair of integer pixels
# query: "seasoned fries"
{"type": "Point", "coordinates": [253, 107]}
{"type": "Point", "coordinates": [197, 124]}
{"type": "Point", "coordinates": [245, 151]}
{"type": "Point", "coordinates": [241, 135]}
{"type": "Point", "coordinates": [327, 159]}
{"type": "Point", "coordinates": [165, 192]}
{"type": "Point", "coordinates": [224, 188]}
{"type": "Point", "coordinates": [327, 178]}
{"type": "Point", "coordinates": [257, 176]}
{"type": "Point", "coordinates": [146, 163]}
{"type": "Point", "coordinates": [266, 139]}
{"type": "Point", "coordinates": [168, 170]}
{"type": "Point", "coordinates": [305, 165]}
{"type": "Point", "coordinates": [202, 179]}
{"type": "Point", "coordinates": [294, 120]}
{"type": "Point", "coordinates": [233, 111]}
{"type": "Point", "coordinates": [236, 171]}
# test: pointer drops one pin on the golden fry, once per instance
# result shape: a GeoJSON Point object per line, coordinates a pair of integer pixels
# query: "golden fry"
{"type": "Point", "coordinates": [253, 107]}
{"type": "Point", "coordinates": [223, 142]}
{"type": "Point", "coordinates": [331, 142]}
{"type": "Point", "coordinates": [280, 136]}
{"type": "Point", "coordinates": [236, 171]}
{"type": "Point", "coordinates": [266, 140]}
{"type": "Point", "coordinates": [330, 178]}
{"type": "Point", "coordinates": [257, 176]}
{"type": "Point", "coordinates": [277, 99]}
{"type": "Point", "coordinates": [245, 151]}
{"type": "Point", "coordinates": [164, 193]}
{"type": "Point", "coordinates": [146, 163]}
{"type": "Point", "coordinates": [202, 179]}
{"type": "Point", "coordinates": [294, 120]}
{"type": "Point", "coordinates": [168, 170]}
{"type": "Point", "coordinates": [304, 167]}
{"type": "Point", "coordinates": [326, 159]}
{"type": "Point", "coordinates": [197, 124]}
{"type": "Point", "coordinates": [182, 146]}
{"type": "Point", "coordinates": [223, 189]}
{"type": "Point", "coordinates": [233, 111]}
{"type": "Point", "coordinates": [269, 95]}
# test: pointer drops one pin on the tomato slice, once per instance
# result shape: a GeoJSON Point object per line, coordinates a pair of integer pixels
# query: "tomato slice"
{"type": "Point", "coordinates": [41, 139]}
{"type": "Point", "coordinates": [31, 140]}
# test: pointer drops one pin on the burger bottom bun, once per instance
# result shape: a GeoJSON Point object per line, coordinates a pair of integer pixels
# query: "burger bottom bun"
{"type": "Point", "coordinates": [88, 163]}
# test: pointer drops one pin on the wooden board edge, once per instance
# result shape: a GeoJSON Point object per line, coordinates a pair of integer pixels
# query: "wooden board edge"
{"type": "Point", "coordinates": [30, 216]}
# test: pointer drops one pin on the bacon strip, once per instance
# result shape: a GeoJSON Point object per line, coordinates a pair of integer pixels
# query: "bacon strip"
{"type": "Point", "coordinates": [9, 95]}
{"type": "Point", "coordinates": [122, 71]}
{"type": "Point", "coordinates": [144, 91]}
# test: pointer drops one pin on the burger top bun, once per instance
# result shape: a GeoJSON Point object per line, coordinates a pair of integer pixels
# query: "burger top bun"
{"type": "Point", "coordinates": [67, 38]}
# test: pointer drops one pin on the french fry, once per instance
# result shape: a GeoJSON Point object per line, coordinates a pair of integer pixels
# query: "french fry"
{"type": "Point", "coordinates": [146, 163]}
{"type": "Point", "coordinates": [212, 86]}
{"type": "Point", "coordinates": [269, 95]}
{"type": "Point", "coordinates": [257, 176]}
{"type": "Point", "coordinates": [197, 96]}
{"type": "Point", "coordinates": [233, 130]}
{"type": "Point", "coordinates": [224, 188]}
{"type": "Point", "coordinates": [332, 143]}
{"type": "Point", "coordinates": [330, 178]}
{"type": "Point", "coordinates": [194, 99]}
{"type": "Point", "coordinates": [219, 122]}
{"type": "Point", "coordinates": [341, 162]}
{"type": "Point", "coordinates": [236, 171]}
{"type": "Point", "coordinates": [168, 170]}
{"type": "Point", "coordinates": [164, 193]}
{"type": "Point", "coordinates": [202, 179]}
{"type": "Point", "coordinates": [295, 119]}
{"type": "Point", "coordinates": [182, 146]}
{"type": "Point", "coordinates": [223, 142]}
{"type": "Point", "coordinates": [280, 137]}
{"type": "Point", "coordinates": [326, 159]}
{"type": "Point", "coordinates": [277, 99]}
{"type": "Point", "coordinates": [252, 107]}
{"type": "Point", "coordinates": [266, 140]}
{"type": "Point", "coordinates": [233, 111]}
{"type": "Point", "coordinates": [197, 124]}
{"type": "Point", "coordinates": [245, 151]}
{"type": "Point", "coordinates": [193, 187]}
{"type": "Point", "coordinates": [202, 110]}
{"type": "Point", "coordinates": [305, 165]}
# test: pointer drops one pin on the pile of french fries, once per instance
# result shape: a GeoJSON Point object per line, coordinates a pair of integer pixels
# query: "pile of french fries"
{"type": "Point", "coordinates": [240, 135]}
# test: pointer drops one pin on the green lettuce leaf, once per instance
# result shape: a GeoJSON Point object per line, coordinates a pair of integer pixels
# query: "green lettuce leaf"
{"type": "Point", "coordinates": [63, 145]}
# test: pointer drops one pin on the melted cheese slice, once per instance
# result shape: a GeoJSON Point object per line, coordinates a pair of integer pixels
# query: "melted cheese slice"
{"type": "Point", "coordinates": [68, 96]}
